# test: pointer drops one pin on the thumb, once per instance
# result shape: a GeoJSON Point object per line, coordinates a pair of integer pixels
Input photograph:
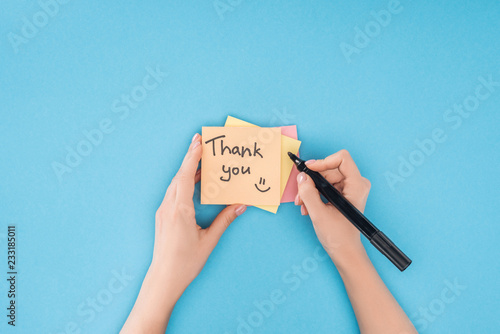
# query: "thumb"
{"type": "Point", "coordinates": [222, 222]}
{"type": "Point", "coordinates": [310, 196]}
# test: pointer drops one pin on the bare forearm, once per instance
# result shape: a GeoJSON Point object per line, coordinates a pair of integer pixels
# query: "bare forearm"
{"type": "Point", "coordinates": [153, 306]}
{"type": "Point", "coordinates": [181, 248]}
{"type": "Point", "coordinates": [376, 309]}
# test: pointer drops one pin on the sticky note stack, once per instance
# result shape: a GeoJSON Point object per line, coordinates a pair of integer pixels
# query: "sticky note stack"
{"type": "Point", "coordinates": [244, 163]}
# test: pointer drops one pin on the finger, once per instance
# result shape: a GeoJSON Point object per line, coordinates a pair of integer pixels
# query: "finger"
{"type": "Point", "coordinates": [341, 160]}
{"type": "Point", "coordinates": [186, 176]}
{"type": "Point", "coordinates": [298, 200]}
{"type": "Point", "coordinates": [170, 194]}
{"type": "Point", "coordinates": [310, 196]}
{"type": "Point", "coordinates": [339, 186]}
{"type": "Point", "coordinates": [303, 210]}
{"type": "Point", "coordinates": [222, 222]}
{"type": "Point", "coordinates": [197, 176]}
{"type": "Point", "coordinates": [333, 175]}
{"type": "Point", "coordinates": [357, 193]}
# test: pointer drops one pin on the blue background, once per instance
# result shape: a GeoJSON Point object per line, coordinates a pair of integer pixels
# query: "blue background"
{"type": "Point", "coordinates": [271, 63]}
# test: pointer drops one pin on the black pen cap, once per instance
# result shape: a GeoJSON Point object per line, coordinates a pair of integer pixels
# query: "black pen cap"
{"type": "Point", "coordinates": [390, 250]}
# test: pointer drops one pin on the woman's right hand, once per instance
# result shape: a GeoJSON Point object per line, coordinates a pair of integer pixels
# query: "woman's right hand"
{"type": "Point", "coordinates": [337, 235]}
{"type": "Point", "coordinates": [376, 309]}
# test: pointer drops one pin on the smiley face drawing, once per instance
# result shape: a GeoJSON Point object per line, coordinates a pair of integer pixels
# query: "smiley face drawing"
{"type": "Point", "coordinates": [261, 182]}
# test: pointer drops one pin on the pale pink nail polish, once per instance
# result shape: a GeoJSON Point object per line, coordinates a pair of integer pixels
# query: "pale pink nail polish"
{"type": "Point", "coordinates": [308, 162]}
{"type": "Point", "coordinates": [239, 210]}
{"type": "Point", "coordinates": [296, 200]}
{"type": "Point", "coordinates": [196, 144]}
{"type": "Point", "coordinates": [302, 211]}
{"type": "Point", "coordinates": [301, 177]}
{"type": "Point", "coordinates": [195, 137]}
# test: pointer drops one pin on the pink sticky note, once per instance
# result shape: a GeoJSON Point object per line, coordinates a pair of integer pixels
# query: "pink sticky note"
{"type": "Point", "coordinates": [291, 188]}
{"type": "Point", "coordinates": [289, 131]}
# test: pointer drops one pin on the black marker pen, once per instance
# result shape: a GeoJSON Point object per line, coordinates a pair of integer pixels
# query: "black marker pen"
{"type": "Point", "coordinates": [376, 237]}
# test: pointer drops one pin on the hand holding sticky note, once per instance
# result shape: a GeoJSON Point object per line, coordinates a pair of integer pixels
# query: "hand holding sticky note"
{"type": "Point", "coordinates": [241, 165]}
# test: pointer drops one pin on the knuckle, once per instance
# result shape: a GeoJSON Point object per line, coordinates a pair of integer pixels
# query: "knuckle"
{"type": "Point", "coordinates": [175, 216]}
{"type": "Point", "coordinates": [184, 211]}
{"type": "Point", "coordinates": [183, 208]}
{"type": "Point", "coordinates": [160, 213]}
{"type": "Point", "coordinates": [344, 153]}
{"type": "Point", "coordinates": [367, 183]}
{"type": "Point", "coordinates": [226, 221]}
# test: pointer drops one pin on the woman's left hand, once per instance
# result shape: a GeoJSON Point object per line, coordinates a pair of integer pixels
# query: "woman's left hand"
{"type": "Point", "coordinates": [181, 248]}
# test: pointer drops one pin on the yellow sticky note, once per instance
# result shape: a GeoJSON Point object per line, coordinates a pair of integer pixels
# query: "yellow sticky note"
{"type": "Point", "coordinates": [287, 145]}
{"type": "Point", "coordinates": [241, 165]}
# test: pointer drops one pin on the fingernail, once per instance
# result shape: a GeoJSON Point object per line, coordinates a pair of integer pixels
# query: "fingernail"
{"type": "Point", "coordinates": [302, 210]}
{"type": "Point", "coordinates": [196, 144]}
{"type": "Point", "coordinates": [301, 177]}
{"type": "Point", "coordinates": [195, 137]}
{"type": "Point", "coordinates": [296, 200]}
{"type": "Point", "coordinates": [239, 210]}
{"type": "Point", "coordinates": [308, 162]}
{"type": "Point", "coordinates": [198, 171]}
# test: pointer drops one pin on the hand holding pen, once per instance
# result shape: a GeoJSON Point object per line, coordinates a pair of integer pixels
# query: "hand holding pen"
{"type": "Point", "coordinates": [337, 235]}
{"type": "Point", "coordinates": [329, 190]}
{"type": "Point", "coordinates": [374, 306]}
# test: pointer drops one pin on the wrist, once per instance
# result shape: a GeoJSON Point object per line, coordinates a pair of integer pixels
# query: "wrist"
{"type": "Point", "coordinates": [165, 283]}
{"type": "Point", "coordinates": [348, 256]}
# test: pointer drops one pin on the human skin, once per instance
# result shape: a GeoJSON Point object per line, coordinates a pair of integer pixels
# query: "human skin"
{"type": "Point", "coordinates": [182, 248]}
{"type": "Point", "coordinates": [375, 308]}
